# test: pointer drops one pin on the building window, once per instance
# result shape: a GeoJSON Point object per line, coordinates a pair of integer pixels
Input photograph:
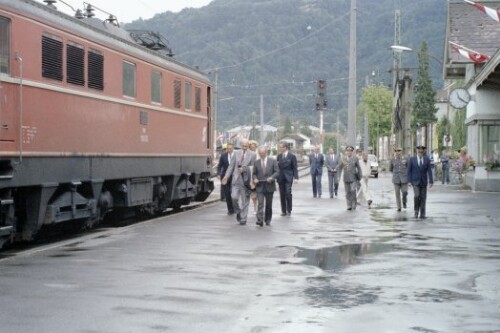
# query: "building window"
{"type": "Point", "coordinates": [490, 143]}
{"type": "Point", "coordinates": [4, 45]}
{"type": "Point", "coordinates": [75, 64]}
{"type": "Point", "coordinates": [177, 93]}
{"type": "Point", "coordinates": [187, 95]}
{"type": "Point", "coordinates": [52, 58]}
{"type": "Point", "coordinates": [155, 87]}
{"type": "Point", "coordinates": [197, 99]}
{"type": "Point", "coordinates": [95, 69]}
{"type": "Point", "coordinates": [129, 79]}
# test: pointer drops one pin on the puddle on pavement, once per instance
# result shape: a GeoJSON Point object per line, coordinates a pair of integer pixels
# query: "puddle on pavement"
{"type": "Point", "coordinates": [335, 257]}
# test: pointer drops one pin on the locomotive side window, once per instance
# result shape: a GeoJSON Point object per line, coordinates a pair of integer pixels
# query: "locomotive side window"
{"type": "Point", "coordinates": [187, 95]}
{"type": "Point", "coordinates": [129, 75]}
{"type": "Point", "coordinates": [75, 64]}
{"type": "Point", "coordinates": [95, 69]}
{"type": "Point", "coordinates": [197, 99]}
{"type": "Point", "coordinates": [155, 87]}
{"type": "Point", "coordinates": [177, 93]}
{"type": "Point", "coordinates": [52, 58]}
{"type": "Point", "coordinates": [4, 45]}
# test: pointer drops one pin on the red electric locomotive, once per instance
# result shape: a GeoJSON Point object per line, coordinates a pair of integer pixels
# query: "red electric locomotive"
{"type": "Point", "coordinates": [92, 119]}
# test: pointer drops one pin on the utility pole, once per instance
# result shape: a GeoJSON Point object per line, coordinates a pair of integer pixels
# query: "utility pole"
{"type": "Point", "coordinates": [351, 105]}
{"type": "Point", "coordinates": [261, 140]}
{"type": "Point", "coordinates": [215, 102]}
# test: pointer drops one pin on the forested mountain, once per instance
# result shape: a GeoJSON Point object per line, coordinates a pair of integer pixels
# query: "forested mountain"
{"type": "Point", "coordinates": [279, 48]}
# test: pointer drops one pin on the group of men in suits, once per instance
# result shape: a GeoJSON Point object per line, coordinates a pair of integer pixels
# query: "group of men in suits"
{"type": "Point", "coordinates": [242, 167]}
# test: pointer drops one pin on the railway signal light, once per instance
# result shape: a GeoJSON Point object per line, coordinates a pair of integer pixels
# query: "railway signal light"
{"type": "Point", "coordinates": [321, 102]}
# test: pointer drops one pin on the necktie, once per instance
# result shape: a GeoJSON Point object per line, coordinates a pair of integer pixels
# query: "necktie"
{"type": "Point", "coordinates": [284, 156]}
{"type": "Point", "coordinates": [420, 162]}
{"type": "Point", "coordinates": [264, 164]}
{"type": "Point", "coordinates": [316, 156]}
{"type": "Point", "coordinates": [242, 157]}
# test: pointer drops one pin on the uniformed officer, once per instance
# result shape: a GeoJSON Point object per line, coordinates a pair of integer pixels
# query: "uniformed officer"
{"type": "Point", "coordinates": [349, 166]}
{"type": "Point", "coordinates": [398, 167]}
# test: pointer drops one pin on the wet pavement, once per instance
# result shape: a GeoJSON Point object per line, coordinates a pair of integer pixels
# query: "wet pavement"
{"type": "Point", "coordinates": [324, 269]}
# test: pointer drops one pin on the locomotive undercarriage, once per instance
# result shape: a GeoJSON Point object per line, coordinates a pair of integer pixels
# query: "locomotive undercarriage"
{"type": "Point", "coordinates": [24, 211]}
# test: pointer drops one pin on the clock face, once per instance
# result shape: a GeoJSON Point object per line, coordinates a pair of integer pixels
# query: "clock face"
{"type": "Point", "coordinates": [459, 98]}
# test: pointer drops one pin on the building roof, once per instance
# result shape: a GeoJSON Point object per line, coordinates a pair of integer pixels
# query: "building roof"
{"type": "Point", "coordinates": [471, 28]}
{"type": "Point", "coordinates": [489, 76]}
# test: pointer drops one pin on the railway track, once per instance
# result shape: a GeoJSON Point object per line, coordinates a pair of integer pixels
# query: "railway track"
{"type": "Point", "coordinates": [62, 234]}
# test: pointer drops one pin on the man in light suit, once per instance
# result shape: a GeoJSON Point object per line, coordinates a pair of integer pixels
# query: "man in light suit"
{"type": "Point", "coordinates": [240, 168]}
{"type": "Point", "coordinates": [224, 161]}
{"type": "Point", "coordinates": [287, 164]}
{"type": "Point", "coordinates": [265, 173]}
{"type": "Point", "coordinates": [331, 163]}
{"type": "Point", "coordinates": [420, 176]}
{"type": "Point", "coordinates": [316, 162]}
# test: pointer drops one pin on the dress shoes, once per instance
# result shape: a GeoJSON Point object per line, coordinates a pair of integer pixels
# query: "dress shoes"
{"type": "Point", "coordinates": [268, 223]}
{"type": "Point", "coordinates": [238, 217]}
{"type": "Point", "coordinates": [423, 217]}
{"type": "Point", "coordinates": [416, 215]}
{"type": "Point", "coordinates": [289, 214]}
{"type": "Point", "coordinates": [404, 204]}
{"type": "Point", "coordinates": [399, 209]}
{"type": "Point", "coordinates": [243, 222]}
{"type": "Point", "coordinates": [230, 213]}
{"type": "Point", "coordinates": [259, 223]}
{"type": "Point", "coordinates": [349, 208]}
{"type": "Point", "coordinates": [283, 214]}
{"type": "Point", "coordinates": [331, 196]}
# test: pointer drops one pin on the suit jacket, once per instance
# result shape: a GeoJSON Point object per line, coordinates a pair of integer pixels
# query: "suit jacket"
{"type": "Point", "coordinates": [246, 163]}
{"type": "Point", "coordinates": [316, 164]}
{"type": "Point", "coordinates": [331, 163]}
{"type": "Point", "coordinates": [420, 175]}
{"type": "Point", "coordinates": [262, 175]}
{"type": "Point", "coordinates": [288, 168]}
{"type": "Point", "coordinates": [223, 164]}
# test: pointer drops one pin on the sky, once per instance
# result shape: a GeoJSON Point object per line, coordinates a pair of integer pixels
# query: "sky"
{"type": "Point", "coordinates": [129, 10]}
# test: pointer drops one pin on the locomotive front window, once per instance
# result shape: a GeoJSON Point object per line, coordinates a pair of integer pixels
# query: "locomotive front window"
{"type": "Point", "coordinates": [4, 45]}
{"type": "Point", "coordinates": [129, 79]}
{"type": "Point", "coordinates": [155, 87]}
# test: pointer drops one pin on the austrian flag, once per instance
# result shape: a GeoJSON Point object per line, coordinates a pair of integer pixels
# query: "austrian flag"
{"type": "Point", "coordinates": [472, 55]}
{"type": "Point", "coordinates": [493, 13]}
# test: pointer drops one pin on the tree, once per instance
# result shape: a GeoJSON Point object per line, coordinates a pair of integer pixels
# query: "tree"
{"type": "Point", "coordinates": [424, 107]}
{"type": "Point", "coordinates": [459, 129]}
{"type": "Point", "coordinates": [376, 102]}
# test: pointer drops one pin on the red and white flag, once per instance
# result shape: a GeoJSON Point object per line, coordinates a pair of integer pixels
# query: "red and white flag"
{"type": "Point", "coordinates": [220, 137]}
{"type": "Point", "coordinates": [493, 13]}
{"type": "Point", "coordinates": [472, 55]}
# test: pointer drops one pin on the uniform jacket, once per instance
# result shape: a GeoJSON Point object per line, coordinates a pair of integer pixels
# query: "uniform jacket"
{"type": "Point", "coordinates": [399, 169]}
{"type": "Point", "coordinates": [331, 163]}
{"type": "Point", "coordinates": [246, 163]}
{"type": "Point", "coordinates": [262, 175]}
{"type": "Point", "coordinates": [419, 175]}
{"type": "Point", "coordinates": [316, 164]}
{"type": "Point", "coordinates": [287, 168]}
{"type": "Point", "coordinates": [350, 167]}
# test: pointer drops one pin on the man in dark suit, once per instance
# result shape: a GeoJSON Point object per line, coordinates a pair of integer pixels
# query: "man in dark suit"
{"type": "Point", "coordinates": [224, 161]}
{"type": "Point", "coordinates": [420, 176]}
{"type": "Point", "coordinates": [331, 163]}
{"type": "Point", "coordinates": [316, 162]}
{"type": "Point", "coordinates": [287, 164]}
{"type": "Point", "coordinates": [265, 173]}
